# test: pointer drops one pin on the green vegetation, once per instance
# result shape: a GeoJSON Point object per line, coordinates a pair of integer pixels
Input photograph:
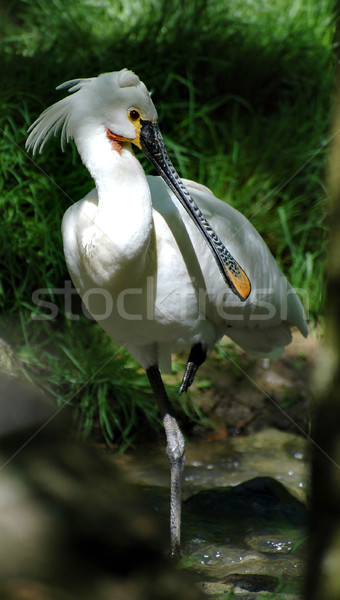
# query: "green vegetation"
{"type": "Point", "coordinates": [243, 90]}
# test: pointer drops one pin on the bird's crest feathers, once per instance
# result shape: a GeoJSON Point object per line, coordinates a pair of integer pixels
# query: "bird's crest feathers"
{"type": "Point", "coordinates": [75, 83]}
{"type": "Point", "coordinates": [56, 118]}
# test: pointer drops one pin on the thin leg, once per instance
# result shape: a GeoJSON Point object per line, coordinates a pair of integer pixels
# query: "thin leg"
{"type": "Point", "coordinates": [197, 356]}
{"type": "Point", "coordinates": [175, 452]}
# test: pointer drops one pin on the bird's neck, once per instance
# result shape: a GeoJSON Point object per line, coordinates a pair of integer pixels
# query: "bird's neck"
{"type": "Point", "coordinates": [124, 214]}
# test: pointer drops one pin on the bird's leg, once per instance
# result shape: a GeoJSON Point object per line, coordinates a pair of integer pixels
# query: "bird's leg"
{"type": "Point", "coordinates": [197, 356]}
{"type": "Point", "coordinates": [175, 452]}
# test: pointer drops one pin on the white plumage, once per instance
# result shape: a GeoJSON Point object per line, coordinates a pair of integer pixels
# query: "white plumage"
{"type": "Point", "coordinates": [136, 257]}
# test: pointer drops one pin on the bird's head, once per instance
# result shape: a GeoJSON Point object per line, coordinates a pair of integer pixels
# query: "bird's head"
{"type": "Point", "coordinates": [117, 103]}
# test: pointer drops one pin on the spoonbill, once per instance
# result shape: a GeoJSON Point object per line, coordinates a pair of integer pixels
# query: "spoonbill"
{"type": "Point", "coordinates": [160, 263]}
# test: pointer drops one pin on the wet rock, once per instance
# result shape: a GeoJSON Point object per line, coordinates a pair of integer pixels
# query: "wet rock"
{"type": "Point", "coordinates": [276, 544]}
{"type": "Point", "coordinates": [252, 529]}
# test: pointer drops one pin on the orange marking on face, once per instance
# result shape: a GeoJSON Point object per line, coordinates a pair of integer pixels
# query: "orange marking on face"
{"type": "Point", "coordinates": [240, 281]}
{"type": "Point", "coordinates": [120, 139]}
{"type": "Point", "coordinates": [116, 140]}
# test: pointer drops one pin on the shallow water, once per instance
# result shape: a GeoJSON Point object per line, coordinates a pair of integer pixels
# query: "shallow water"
{"type": "Point", "coordinates": [244, 513]}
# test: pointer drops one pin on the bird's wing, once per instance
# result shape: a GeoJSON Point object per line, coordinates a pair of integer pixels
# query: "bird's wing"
{"type": "Point", "coordinates": [272, 300]}
{"type": "Point", "coordinates": [251, 251]}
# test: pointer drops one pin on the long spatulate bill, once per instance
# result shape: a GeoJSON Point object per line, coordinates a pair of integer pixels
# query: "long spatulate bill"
{"type": "Point", "coordinates": [154, 149]}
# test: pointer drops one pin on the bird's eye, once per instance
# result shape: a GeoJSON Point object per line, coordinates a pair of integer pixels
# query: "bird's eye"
{"type": "Point", "coordinates": [134, 114]}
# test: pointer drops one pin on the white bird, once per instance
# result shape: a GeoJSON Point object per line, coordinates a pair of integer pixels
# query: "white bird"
{"type": "Point", "coordinates": [135, 251]}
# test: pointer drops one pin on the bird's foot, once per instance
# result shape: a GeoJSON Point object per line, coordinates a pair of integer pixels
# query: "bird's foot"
{"type": "Point", "coordinates": [197, 356]}
{"type": "Point", "coordinates": [188, 377]}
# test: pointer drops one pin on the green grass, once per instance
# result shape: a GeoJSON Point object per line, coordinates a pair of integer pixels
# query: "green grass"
{"type": "Point", "coordinates": [107, 392]}
{"type": "Point", "coordinates": [243, 90]}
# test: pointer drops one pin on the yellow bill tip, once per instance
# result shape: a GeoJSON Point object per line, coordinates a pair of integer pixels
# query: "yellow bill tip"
{"type": "Point", "coordinates": [239, 282]}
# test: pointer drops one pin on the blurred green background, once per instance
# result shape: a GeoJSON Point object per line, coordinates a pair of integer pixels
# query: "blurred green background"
{"type": "Point", "coordinates": [244, 93]}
